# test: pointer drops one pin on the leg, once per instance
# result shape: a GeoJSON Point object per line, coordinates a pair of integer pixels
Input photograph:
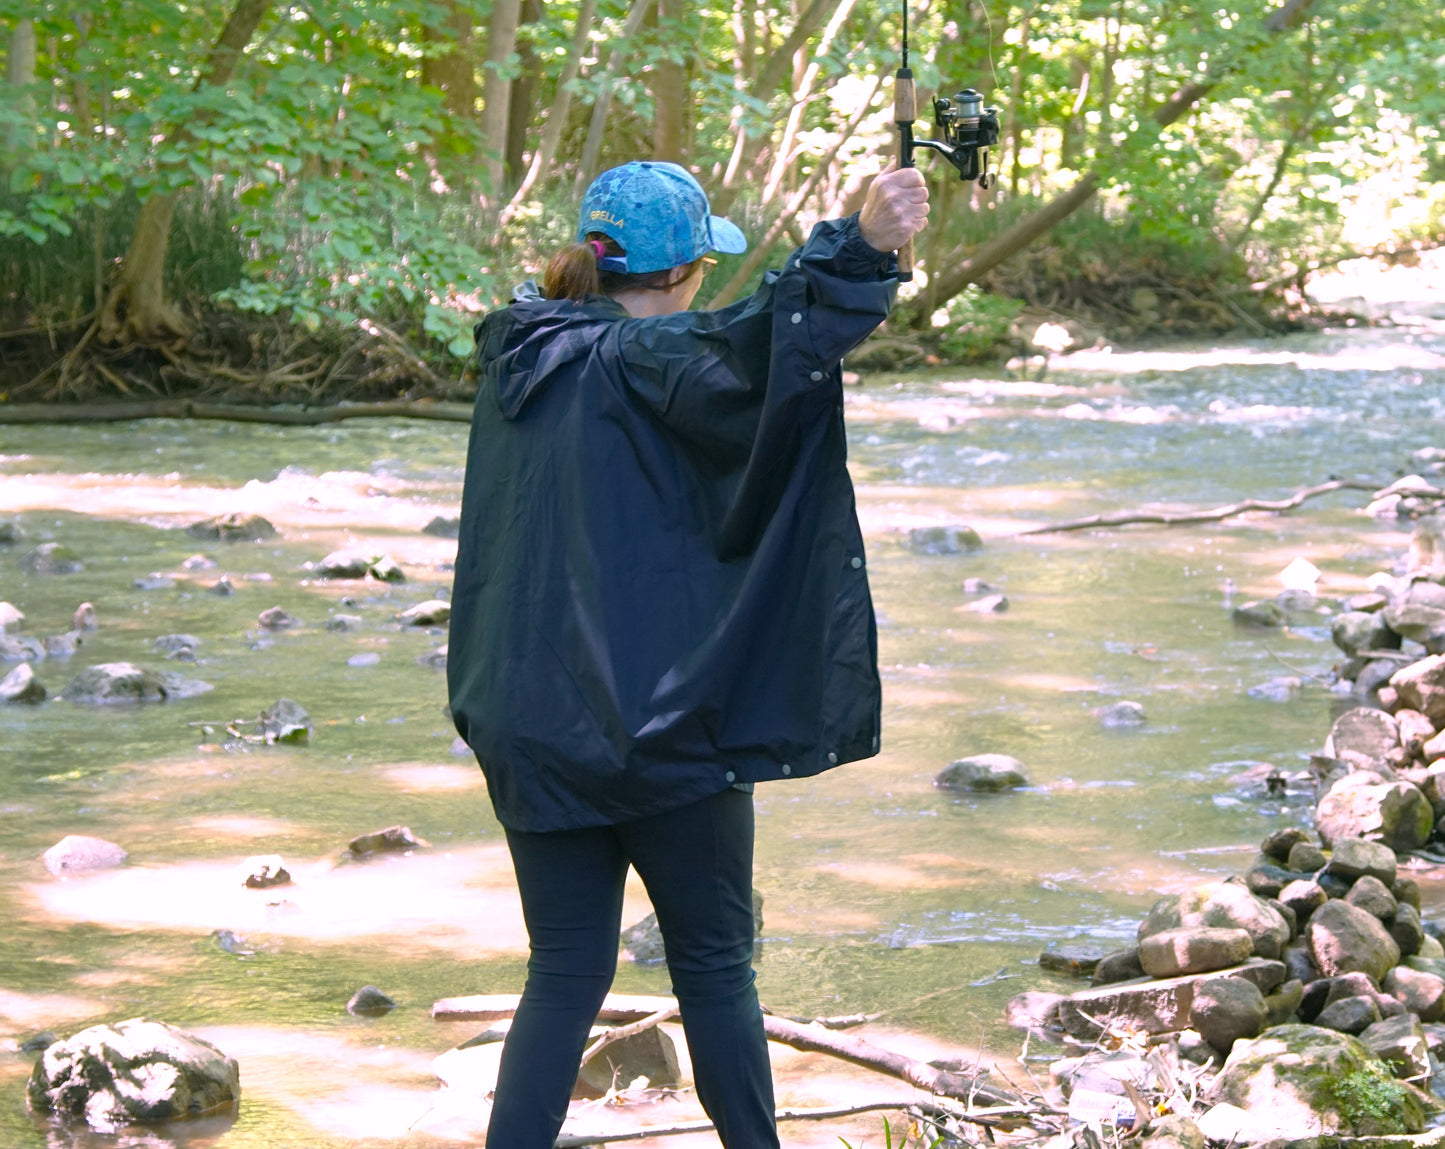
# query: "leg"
{"type": "Point", "coordinates": [697, 864]}
{"type": "Point", "coordinates": [571, 886]}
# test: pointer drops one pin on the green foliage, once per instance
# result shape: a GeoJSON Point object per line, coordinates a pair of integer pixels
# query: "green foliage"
{"type": "Point", "coordinates": [974, 324]}
{"type": "Point", "coordinates": [1370, 1094]}
{"type": "Point", "coordinates": [911, 1138]}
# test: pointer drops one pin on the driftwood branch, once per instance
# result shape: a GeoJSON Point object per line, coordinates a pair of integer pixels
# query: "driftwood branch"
{"type": "Point", "coordinates": [29, 413]}
{"type": "Point", "coordinates": [1214, 515]}
{"type": "Point", "coordinates": [901, 1105]}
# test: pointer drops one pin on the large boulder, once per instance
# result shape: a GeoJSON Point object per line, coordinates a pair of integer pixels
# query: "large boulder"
{"type": "Point", "coordinates": [1421, 993]}
{"type": "Point", "coordinates": [1416, 620]}
{"type": "Point", "coordinates": [51, 559]}
{"type": "Point", "coordinates": [1227, 1009]}
{"type": "Point", "coordinates": [1354, 858]}
{"type": "Point", "coordinates": [109, 683]}
{"type": "Point", "coordinates": [1345, 939]}
{"type": "Point", "coordinates": [1196, 949]}
{"type": "Point", "coordinates": [133, 1072]}
{"type": "Point", "coordinates": [1306, 1081]}
{"type": "Point", "coordinates": [986, 772]}
{"type": "Point", "coordinates": [1395, 813]}
{"type": "Point", "coordinates": [21, 686]}
{"type": "Point", "coordinates": [1357, 630]}
{"type": "Point", "coordinates": [1226, 905]}
{"type": "Point", "coordinates": [1421, 686]}
{"type": "Point", "coordinates": [1400, 1043]}
{"type": "Point", "coordinates": [1365, 731]}
{"type": "Point", "coordinates": [953, 540]}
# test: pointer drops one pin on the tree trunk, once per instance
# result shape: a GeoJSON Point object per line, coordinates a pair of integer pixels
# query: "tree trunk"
{"type": "Point", "coordinates": [524, 95]}
{"type": "Point", "coordinates": [452, 71]}
{"type": "Point", "coordinates": [964, 269]}
{"type": "Point", "coordinates": [556, 115]}
{"type": "Point", "coordinates": [137, 310]}
{"type": "Point", "coordinates": [21, 70]}
{"type": "Point", "coordinates": [496, 94]}
{"type": "Point", "coordinates": [597, 126]}
{"type": "Point", "coordinates": [669, 89]}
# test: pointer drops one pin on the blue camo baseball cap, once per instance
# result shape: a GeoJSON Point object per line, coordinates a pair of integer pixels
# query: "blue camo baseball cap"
{"type": "Point", "coordinates": [659, 216]}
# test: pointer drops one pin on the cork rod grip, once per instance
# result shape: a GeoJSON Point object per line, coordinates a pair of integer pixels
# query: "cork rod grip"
{"type": "Point", "coordinates": [905, 111]}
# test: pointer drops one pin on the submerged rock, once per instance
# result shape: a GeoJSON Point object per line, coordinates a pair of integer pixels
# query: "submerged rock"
{"type": "Point", "coordinates": [435, 658]}
{"type": "Point", "coordinates": [181, 647]}
{"type": "Point", "coordinates": [76, 853]}
{"type": "Point", "coordinates": [433, 612]}
{"type": "Point", "coordinates": [116, 683]}
{"type": "Point", "coordinates": [133, 1072]}
{"type": "Point", "coordinates": [21, 686]}
{"type": "Point", "coordinates": [443, 527]}
{"type": "Point", "coordinates": [342, 623]}
{"type": "Point", "coordinates": [285, 721]}
{"type": "Point", "coordinates": [153, 581]}
{"type": "Point", "coordinates": [369, 1001]}
{"type": "Point", "coordinates": [951, 540]}
{"type": "Point", "coordinates": [275, 618]}
{"type": "Point", "coordinates": [988, 773]}
{"type": "Point", "coordinates": [63, 645]}
{"type": "Point", "coordinates": [20, 648]}
{"type": "Point", "coordinates": [1121, 714]}
{"type": "Point", "coordinates": [1264, 614]}
{"type": "Point", "coordinates": [1075, 960]}
{"type": "Point", "coordinates": [53, 559]}
{"type": "Point", "coordinates": [392, 840]}
{"type": "Point", "coordinates": [11, 533]}
{"type": "Point", "coordinates": [237, 527]}
{"type": "Point", "coordinates": [10, 616]}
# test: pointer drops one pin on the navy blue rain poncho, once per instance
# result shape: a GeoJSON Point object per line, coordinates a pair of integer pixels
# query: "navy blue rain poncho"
{"type": "Point", "coordinates": [660, 586]}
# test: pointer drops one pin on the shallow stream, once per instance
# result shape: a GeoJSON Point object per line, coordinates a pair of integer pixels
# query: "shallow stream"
{"type": "Point", "coordinates": [883, 893]}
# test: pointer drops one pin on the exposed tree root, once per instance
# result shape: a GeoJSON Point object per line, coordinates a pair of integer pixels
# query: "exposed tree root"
{"type": "Point", "coordinates": [1214, 515]}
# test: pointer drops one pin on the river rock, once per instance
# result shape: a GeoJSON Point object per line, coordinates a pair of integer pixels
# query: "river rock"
{"type": "Point", "coordinates": [1299, 962]}
{"type": "Point", "coordinates": [387, 569]}
{"type": "Point", "coordinates": [1406, 891]}
{"type": "Point", "coordinates": [181, 647]}
{"type": "Point", "coordinates": [1280, 843]}
{"type": "Point", "coordinates": [345, 564]}
{"type": "Point", "coordinates": [1074, 960]}
{"type": "Point", "coordinates": [983, 772]}
{"type": "Point", "coordinates": [21, 686]}
{"type": "Point", "coordinates": [65, 645]}
{"type": "Point", "coordinates": [264, 872]}
{"type": "Point", "coordinates": [223, 586]}
{"type": "Point", "coordinates": [1434, 749]}
{"type": "Point", "coordinates": [1266, 881]}
{"type": "Point", "coordinates": [1394, 813]}
{"type": "Point", "coordinates": [1281, 688]}
{"type": "Point", "coordinates": [1158, 1006]}
{"type": "Point", "coordinates": [77, 853]}
{"type": "Point", "coordinates": [1374, 897]}
{"type": "Point", "coordinates": [369, 1001]}
{"type": "Point", "coordinates": [84, 618]}
{"type": "Point", "coordinates": [1260, 615]}
{"type": "Point", "coordinates": [433, 612]}
{"type": "Point", "coordinates": [1421, 686]}
{"type": "Point", "coordinates": [1418, 621]}
{"type": "Point", "coordinates": [435, 658]}
{"type": "Point", "coordinates": [20, 648]}
{"type": "Point", "coordinates": [135, 1071]}
{"type": "Point", "coordinates": [1416, 729]}
{"type": "Point", "coordinates": [1351, 1015]}
{"type": "Point", "coordinates": [1227, 1009]}
{"type": "Point", "coordinates": [1352, 858]}
{"type": "Point", "coordinates": [643, 940]}
{"type": "Point", "coordinates": [1306, 858]}
{"type": "Point", "coordinates": [392, 840]}
{"type": "Point", "coordinates": [153, 581]}
{"type": "Point", "coordinates": [1400, 1043]}
{"type": "Point", "coordinates": [1405, 927]}
{"type": "Point", "coordinates": [1222, 904]}
{"type": "Point", "coordinates": [1120, 965]}
{"type": "Point", "coordinates": [1304, 897]}
{"type": "Point", "coordinates": [443, 527]}
{"type": "Point", "coordinates": [1034, 1010]}
{"type": "Point", "coordinates": [53, 559]}
{"type": "Point", "coordinates": [1303, 1081]}
{"type": "Point", "coordinates": [1356, 631]}
{"type": "Point", "coordinates": [1280, 1007]}
{"type": "Point", "coordinates": [274, 618]}
{"type": "Point", "coordinates": [1121, 714]}
{"type": "Point", "coordinates": [1172, 1132]}
{"type": "Point", "coordinates": [952, 540]}
{"type": "Point", "coordinates": [342, 623]}
{"type": "Point", "coordinates": [650, 1054]}
{"type": "Point", "coordinates": [1420, 993]}
{"type": "Point", "coordinates": [1196, 949]}
{"type": "Point", "coordinates": [989, 604]}
{"type": "Point", "coordinates": [1364, 731]}
{"type": "Point", "coordinates": [199, 563]}
{"type": "Point", "coordinates": [285, 721]}
{"type": "Point", "coordinates": [237, 527]}
{"type": "Point", "coordinates": [1344, 939]}
{"type": "Point", "coordinates": [116, 683]}
{"type": "Point", "coordinates": [11, 533]}
{"type": "Point", "coordinates": [10, 616]}
{"type": "Point", "coordinates": [365, 658]}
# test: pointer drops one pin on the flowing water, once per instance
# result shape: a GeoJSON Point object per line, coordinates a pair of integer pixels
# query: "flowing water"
{"type": "Point", "coordinates": [883, 893]}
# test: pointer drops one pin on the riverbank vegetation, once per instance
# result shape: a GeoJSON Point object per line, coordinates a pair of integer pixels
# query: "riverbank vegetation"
{"type": "Point", "coordinates": [272, 201]}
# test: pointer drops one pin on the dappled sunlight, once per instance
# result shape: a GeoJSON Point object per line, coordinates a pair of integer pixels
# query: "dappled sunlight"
{"type": "Point", "coordinates": [23, 1013]}
{"type": "Point", "coordinates": [1392, 356]}
{"type": "Point", "coordinates": [424, 778]}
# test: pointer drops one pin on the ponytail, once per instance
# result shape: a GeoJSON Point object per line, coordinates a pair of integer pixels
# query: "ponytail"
{"type": "Point", "coordinates": [573, 272]}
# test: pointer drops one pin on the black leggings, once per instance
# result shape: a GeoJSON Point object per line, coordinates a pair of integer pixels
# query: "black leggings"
{"type": "Point", "coordinates": [696, 863]}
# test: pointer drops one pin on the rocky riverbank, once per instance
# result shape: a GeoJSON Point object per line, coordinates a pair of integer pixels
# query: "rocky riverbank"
{"type": "Point", "coordinates": [1305, 997]}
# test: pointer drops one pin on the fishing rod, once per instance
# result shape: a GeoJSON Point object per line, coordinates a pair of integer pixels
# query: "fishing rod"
{"type": "Point", "coordinates": [966, 130]}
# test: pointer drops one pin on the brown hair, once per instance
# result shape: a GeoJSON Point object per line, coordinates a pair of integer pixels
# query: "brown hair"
{"type": "Point", "coordinates": [573, 272]}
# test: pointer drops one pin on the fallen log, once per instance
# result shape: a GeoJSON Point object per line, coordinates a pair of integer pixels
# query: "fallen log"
{"type": "Point", "coordinates": [30, 413]}
{"type": "Point", "coordinates": [813, 1037]}
{"type": "Point", "coordinates": [1213, 515]}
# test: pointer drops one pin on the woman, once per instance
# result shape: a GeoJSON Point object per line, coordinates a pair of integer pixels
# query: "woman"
{"type": "Point", "coordinates": [660, 600]}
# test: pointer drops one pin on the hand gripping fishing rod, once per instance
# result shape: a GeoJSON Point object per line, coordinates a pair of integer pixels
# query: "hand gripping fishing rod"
{"type": "Point", "coordinates": [967, 130]}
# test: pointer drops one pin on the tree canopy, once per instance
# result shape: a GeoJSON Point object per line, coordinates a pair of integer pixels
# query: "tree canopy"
{"type": "Point", "coordinates": [364, 167]}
